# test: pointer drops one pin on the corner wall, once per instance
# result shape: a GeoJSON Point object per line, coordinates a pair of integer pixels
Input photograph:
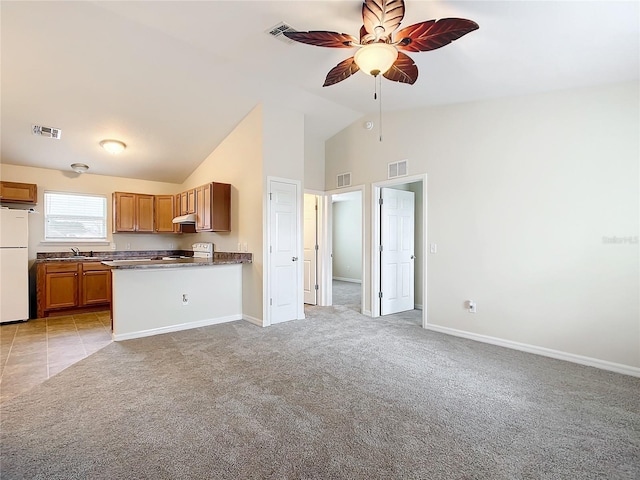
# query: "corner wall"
{"type": "Point", "coordinates": [524, 197]}
{"type": "Point", "coordinates": [238, 160]}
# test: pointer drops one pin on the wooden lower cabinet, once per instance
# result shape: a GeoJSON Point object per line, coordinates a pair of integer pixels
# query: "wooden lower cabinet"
{"type": "Point", "coordinates": [72, 287]}
{"type": "Point", "coordinates": [95, 286]}
{"type": "Point", "coordinates": [61, 286]}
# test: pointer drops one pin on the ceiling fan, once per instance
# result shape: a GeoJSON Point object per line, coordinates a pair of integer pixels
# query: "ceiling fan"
{"type": "Point", "coordinates": [379, 49]}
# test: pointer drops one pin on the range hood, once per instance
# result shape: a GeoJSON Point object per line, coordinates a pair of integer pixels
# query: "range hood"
{"type": "Point", "coordinates": [189, 218]}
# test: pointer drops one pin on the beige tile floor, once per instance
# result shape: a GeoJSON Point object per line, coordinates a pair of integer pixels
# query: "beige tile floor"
{"type": "Point", "coordinates": [33, 351]}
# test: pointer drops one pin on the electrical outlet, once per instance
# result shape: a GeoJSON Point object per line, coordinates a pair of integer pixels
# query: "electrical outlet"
{"type": "Point", "coordinates": [246, 247]}
{"type": "Point", "coordinates": [434, 248]}
{"type": "Point", "coordinates": [113, 245]}
{"type": "Point", "coordinates": [472, 306]}
{"type": "Point", "coordinates": [185, 299]}
{"type": "Point", "coordinates": [239, 247]}
{"type": "Point", "coordinates": [172, 245]}
{"type": "Point", "coordinates": [128, 246]}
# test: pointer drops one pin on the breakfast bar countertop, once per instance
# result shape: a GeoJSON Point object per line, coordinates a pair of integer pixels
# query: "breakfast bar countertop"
{"type": "Point", "coordinates": [219, 258]}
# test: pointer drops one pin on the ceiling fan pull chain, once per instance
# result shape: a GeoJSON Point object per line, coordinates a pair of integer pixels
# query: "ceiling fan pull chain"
{"type": "Point", "coordinates": [380, 104]}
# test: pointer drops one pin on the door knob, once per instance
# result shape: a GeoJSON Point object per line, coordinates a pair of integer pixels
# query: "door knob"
{"type": "Point", "coordinates": [413, 257]}
{"type": "Point", "coordinates": [294, 259]}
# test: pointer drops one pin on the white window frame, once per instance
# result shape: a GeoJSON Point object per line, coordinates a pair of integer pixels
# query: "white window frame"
{"type": "Point", "coordinates": [79, 239]}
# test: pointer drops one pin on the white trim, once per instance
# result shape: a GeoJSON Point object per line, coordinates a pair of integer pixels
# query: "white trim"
{"type": "Point", "coordinates": [366, 313]}
{"type": "Point", "coordinates": [545, 352]}
{"type": "Point", "coordinates": [417, 306]}
{"type": "Point", "coordinates": [350, 280]}
{"type": "Point", "coordinates": [176, 328]}
{"type": "Point", "coordinates": [254, 320]}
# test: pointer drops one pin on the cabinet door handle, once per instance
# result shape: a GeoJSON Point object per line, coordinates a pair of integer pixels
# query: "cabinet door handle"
{"type": "Point", "coordinates": [294, 259]}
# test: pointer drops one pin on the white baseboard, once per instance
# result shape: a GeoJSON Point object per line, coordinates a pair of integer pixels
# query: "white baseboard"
{"type": "Point", "coordinates": [176, 328]}
{"type": "Point", "coordinates": [366, 312]}
{"type": "Point", "coordinates": [417, 307]}
{"type": "Point", "coordinates": [350, 280]}
{"type": "Point", "coordinates": [254, 320]}
{"type": "Point", "coordinates": [546, 352]}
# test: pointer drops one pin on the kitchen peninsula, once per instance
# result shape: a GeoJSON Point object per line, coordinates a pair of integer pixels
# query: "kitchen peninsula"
{"type": "Point", "coordinates": [150, 297]}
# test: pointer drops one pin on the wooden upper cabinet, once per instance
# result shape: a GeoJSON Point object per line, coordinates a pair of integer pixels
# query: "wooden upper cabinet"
{"type": "Point", "coordinates": [213, 207]}
{"type": "Point", "coordinates": [203, 208]}
{"type": "Point", "coordinates": [133, 212]}
{"type": "Point", "coordinates": [191, 201]}
{"type": "Point", "coordinates": [18, 192]}
{"type": "Point", "coordinates": [124, 212]}
{"type": "Point", "coordinates": [187, 202]}
{"type": "Point", "coordinates": [211, 204]}
{"type": "Point", "coordinates": [183, 203]}
{"type": "Point", "coordinates": [144, 211]}
{"type": "Point", "coordinates": [164, 211]}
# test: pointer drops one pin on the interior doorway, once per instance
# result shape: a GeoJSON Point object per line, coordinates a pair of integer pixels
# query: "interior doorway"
{"type": "Point", "coordinates": [418, 185]}
{"type": "Point", "coordinates": [347, 250]}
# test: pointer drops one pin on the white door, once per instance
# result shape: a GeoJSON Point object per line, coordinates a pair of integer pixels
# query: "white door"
{"type": "Point", "coordinates": [283, 247]}
{"type": "Point", "coordinates": [397, 212]}
{"type": "Point", "coordinates": [309, 276]}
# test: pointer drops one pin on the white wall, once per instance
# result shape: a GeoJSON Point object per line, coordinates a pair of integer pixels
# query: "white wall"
{"type": "Point", "coordinates": [521, 193]}
{"type": "Point", "coordinates": [238, 161]}
{"type": "Point", "coordinates": [347, 238]}
{"type": "Point", "coordinates": [313, 163]}
{"type": "Point", "coordinates": [283, 157]}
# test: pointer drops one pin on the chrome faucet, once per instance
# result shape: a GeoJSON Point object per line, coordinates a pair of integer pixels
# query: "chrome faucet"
{"type": "Point", "coordinates": [76, 251]}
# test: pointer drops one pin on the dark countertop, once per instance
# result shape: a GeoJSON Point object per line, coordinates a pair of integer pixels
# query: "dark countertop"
{"type": "Point", "coordinates": [146, 258]}
{"type": "Point", "coordinates": [219, 258]}
{"type": "Point", "coordinates": [107, 256]}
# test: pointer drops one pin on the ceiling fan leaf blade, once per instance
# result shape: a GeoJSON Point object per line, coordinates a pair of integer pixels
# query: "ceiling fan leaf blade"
{"type": "Point", "coordinates": [322, 38]}
{"type": "Point", "coordinates": [386, 14]}
{"type": "Point", "coordinates": [403, 70]}
{"type": "Point", "coordinates": [433, 34]}
{"type": "Point", "coordinates": [340, 72]}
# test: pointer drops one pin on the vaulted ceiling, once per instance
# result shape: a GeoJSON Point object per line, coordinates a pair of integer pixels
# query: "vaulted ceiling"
{"type": "Point", "coordinates": [173, 78]}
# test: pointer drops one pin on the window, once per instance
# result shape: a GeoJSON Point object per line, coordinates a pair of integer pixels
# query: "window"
{"type": "Point", "coordinates": [74, 216]}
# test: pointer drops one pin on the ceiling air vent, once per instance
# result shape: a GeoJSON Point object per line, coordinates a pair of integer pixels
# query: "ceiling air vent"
{"type": "Point", "coordinates": [48, 132]}
{"type": "Point", "coordinates": [278, 30]}
{"type": "Point", "coordinates": [344, 180]}
{"type": "Point", "coordinates": [398, 169]}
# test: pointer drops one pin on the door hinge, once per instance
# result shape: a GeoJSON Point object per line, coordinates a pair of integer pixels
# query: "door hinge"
{"type": "Point", "coordinates": [380, 201]}
{"type": "Point", "coordinates": [316, 287]}
{"type": "Point", "coordinates": [380, 247]}
{"type": "Point", "coordinates": [270, 196]}
{"type": "Point", "coordinates": [271, 301]}
{"type": "Point", "coordinates": [379, 294]}
{"type": "Point", "coordinates": [316, 248]}
{"type": "Point", "coordinates": [270, 249]}
{"type": "Point", "coordinates": [316, 207]}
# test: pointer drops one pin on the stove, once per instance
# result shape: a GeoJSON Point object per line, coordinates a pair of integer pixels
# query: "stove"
{"type": "Point", "coordinates": [202, 250]}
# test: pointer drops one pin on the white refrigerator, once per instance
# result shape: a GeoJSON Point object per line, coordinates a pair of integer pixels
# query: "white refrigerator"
{"type": "Point", "coordinates": [14, 265]}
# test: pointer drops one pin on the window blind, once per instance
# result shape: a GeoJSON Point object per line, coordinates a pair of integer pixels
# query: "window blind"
{"type": "Point", "coordinates": [73, 216]}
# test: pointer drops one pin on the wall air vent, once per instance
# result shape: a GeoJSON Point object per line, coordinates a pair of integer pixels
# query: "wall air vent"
{"type": "Point", "coordinates": [398, 169]}
{"type": "Point", "coordinates": [48, 132]}
{"type": "Point", "coordinates": [278, 30]}
{"type": "Point", "coordinates": [344, 180]}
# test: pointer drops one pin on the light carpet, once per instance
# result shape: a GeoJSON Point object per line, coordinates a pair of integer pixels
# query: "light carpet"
{"type": "Point", "coordinates": [335, 396]}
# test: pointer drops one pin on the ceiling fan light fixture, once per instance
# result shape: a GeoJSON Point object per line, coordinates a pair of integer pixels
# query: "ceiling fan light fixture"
{"type": "Point", "coordinates": [113, 147]}
{"type": "Point", "coordinates": [376, 58]}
